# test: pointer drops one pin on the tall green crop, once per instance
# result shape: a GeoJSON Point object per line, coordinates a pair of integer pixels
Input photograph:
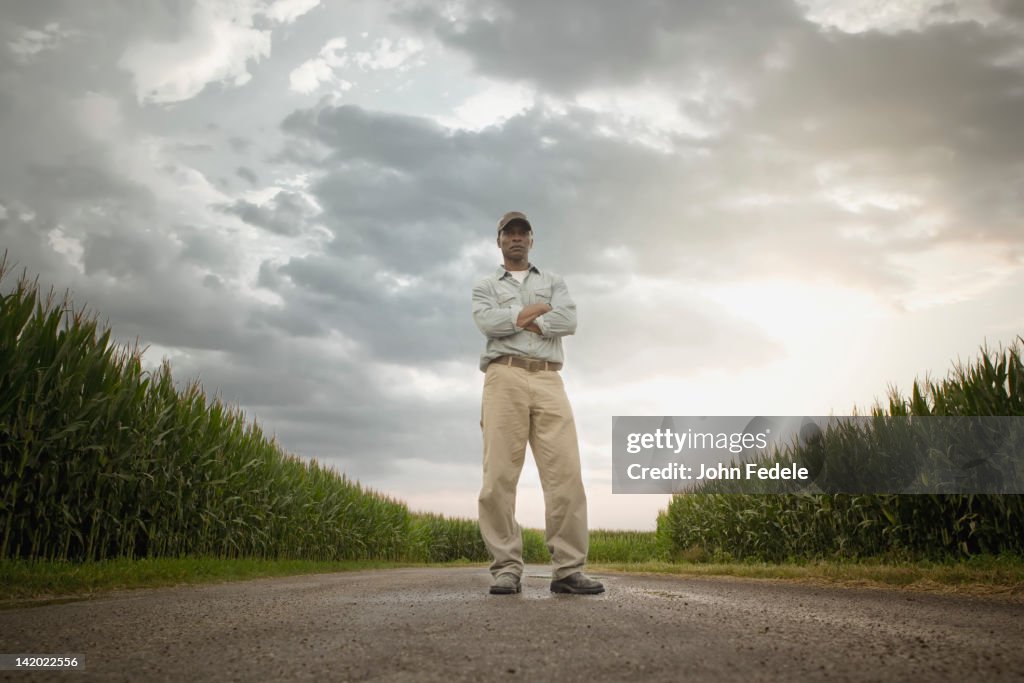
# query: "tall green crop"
{"type": "Point", "coordinates": [720, 520]}
{"type": "Point", "coordinates": [100, 458]}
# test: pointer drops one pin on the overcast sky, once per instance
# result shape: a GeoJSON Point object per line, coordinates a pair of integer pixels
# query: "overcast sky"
{"type": "Point", "coordinates": [772, 207]}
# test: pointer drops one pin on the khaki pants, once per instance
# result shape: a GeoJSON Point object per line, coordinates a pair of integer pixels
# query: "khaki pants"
{"type": "Point", "coordinates": [519, 407]}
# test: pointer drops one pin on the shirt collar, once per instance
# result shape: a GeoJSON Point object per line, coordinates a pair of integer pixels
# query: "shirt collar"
{"type": "Point", "coordinates": [501, 272]}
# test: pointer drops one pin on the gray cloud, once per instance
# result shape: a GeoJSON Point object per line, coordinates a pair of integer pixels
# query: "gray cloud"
{"type": "Point", "coordinates": [407, 206]}
{"type": "Point", "coordinates": [943, 119]}
{"type": "Point", "coordinates": [418, 324]}
{"type": "Point", "coordinates": [574, 45]}
{"type": "Point", "coordinates": [239, 145]}
{"type": "Point", "coordinates": [305, 331]}
{"type": "Point", "coordinates": [882, 101]}
{"type": "Point", "coordinates": [412, 202]}
{"type": "Point", "coordinates": [247, 174]}
{"type": "Point", "coordinates": [285, 214]}
{"type": "Point", "coordinates": [1010, 9]}
{"type": "Point", "coordinates": [130, 255]}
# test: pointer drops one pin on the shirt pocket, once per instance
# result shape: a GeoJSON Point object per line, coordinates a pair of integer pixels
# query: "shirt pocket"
{"type": "Point", "coordinates": [542, 295]}
{"type": "Point", "coordinates": [507, 299]}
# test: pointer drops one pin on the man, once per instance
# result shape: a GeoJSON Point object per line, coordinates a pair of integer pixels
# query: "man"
{"type": "Point", "coordinates": [524, 313]}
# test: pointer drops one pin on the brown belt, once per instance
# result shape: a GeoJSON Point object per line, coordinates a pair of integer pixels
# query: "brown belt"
{"type": "Point", "coordinates": [529, 364]}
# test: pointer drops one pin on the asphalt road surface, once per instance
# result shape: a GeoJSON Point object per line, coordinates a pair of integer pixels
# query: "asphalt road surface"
{"type": "Point", "coordinates": [442, 625]}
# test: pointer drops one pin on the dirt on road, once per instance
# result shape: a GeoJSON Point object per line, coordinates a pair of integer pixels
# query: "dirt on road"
{"type": "Point", "coordinates": [442, 625]}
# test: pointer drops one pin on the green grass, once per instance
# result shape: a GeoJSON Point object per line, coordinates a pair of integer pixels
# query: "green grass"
{"type": "Point", "coordinates": [1001, 576]}
{"type": "Point", "coordinates": [22, 580]}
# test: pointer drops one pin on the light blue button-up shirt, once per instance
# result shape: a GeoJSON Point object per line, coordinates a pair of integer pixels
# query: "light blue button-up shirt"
{"type": "Point", "coordinates": [497, 301]}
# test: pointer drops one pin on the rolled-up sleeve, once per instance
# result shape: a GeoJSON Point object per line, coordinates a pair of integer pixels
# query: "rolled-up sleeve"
{"type": "Point", "coordinates": [495, 322]}
{"type": "Point", "coordinates": [560, 321]}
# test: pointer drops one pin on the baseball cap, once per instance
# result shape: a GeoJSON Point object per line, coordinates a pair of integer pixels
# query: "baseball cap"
{"type": "Point", "coordinates": [512, 216]}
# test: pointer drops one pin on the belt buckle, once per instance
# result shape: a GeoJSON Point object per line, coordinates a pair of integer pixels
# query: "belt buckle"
{"type": "Point", "coordinates": [534, 365]}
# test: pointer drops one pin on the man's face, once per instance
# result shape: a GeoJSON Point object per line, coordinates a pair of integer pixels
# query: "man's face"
{"type": "Point", "coordinates": [515, 240]}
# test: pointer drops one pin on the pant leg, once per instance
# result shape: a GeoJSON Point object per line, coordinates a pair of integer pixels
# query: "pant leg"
{"type": "Point", "coordinates": [505, 422]}
{"type": "Point", "coordinates": [556, 449]}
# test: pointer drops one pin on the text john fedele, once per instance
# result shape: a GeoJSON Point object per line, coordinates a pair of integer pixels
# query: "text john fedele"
{"type": "Point", "coordinates": [666, 439]}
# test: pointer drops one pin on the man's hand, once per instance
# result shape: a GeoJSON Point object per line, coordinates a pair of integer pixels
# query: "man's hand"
{"type": "Point", "coordinates": [533, 327]}
{"type": "Point", "coordinates": [531, 313]}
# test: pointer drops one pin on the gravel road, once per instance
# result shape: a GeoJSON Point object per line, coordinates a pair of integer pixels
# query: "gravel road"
{"type": "Point", "coordinates": [442, 625]}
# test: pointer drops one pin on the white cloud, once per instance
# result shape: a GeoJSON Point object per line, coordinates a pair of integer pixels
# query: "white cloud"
{"type": "Point", "coordinates": [287, 11]}
{"type": "Point", "coordinates": [31, 42]}
{"type": "Point", "coordinates": [308, 77]}
{"type": "Point", "coordinates": [217, 49]}
{"type": "Point", "coordinates": [955, 272]}
{"type": "Point", "coordinates": [644, 114]}
{"type": "Point", "coordinates": [494, 104]}
{"type": "Point", "coordinates": [391, 55]}
{"type": "Point", "coordinates": [446, 382]}
{"type": "Point", "coordinates": [315, 72]}
{"type": "Point", "coordinates": [69, 247]}
{"type": "Point", "coordinates": [858, 184]}
{"type": "Point", "coordinates": [856, 16]}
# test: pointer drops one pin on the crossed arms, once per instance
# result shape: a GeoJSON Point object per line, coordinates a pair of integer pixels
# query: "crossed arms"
{"type": "Point", "coordinates": [501, 319]}
{"type": "Point", "coordinates": [529, 314]}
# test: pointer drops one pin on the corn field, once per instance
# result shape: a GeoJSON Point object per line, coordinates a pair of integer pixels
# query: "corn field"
{"type": "Point", "coordinates": [718, 520]}
{"type": "Point", "coordinates": [100, 459]}
{"type": "Point", "coordinates": [626, 546]}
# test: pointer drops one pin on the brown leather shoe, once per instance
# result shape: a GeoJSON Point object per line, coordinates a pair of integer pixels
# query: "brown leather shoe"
{"type": "Point", "coordinates": [578, 583]}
